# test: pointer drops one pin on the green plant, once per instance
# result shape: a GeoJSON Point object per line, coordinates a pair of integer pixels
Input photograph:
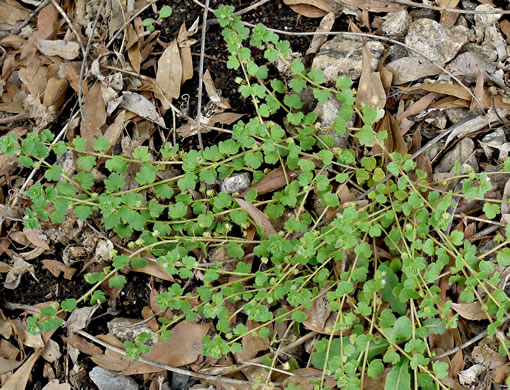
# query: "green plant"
{"type": "Point", "coordinates": [164, 13]}
{"type": "Point", "coordinates": [376, 262]}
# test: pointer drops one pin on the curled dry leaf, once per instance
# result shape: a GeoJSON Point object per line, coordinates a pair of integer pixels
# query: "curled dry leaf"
{"type": "Point", "coordinates": [371, 91]}
{"type": "Point", "coordinates": [36, 238]}
{"type": "Point", "coordinates": [80, 318]}
{"type": "Point", "coordinates": [185, 42]}
{"type": "Point", "coordinates": [482, 354]}
{"type": "Point", "coordinates": [260, 219]}
{"type": "Point", "coordinates": [470, 311]}
{"type": "Point", "coordinates": [252, 345]}
{"type": "Point", "coordinates": [318, 40]}
{"type": "Point", "coordinates": [155, 270]}
{"type": "Point", "coordinates": [213, 93]}
{"type": "Point", "coordinates": [501, 373]}
{"type": "Point", "coordinates": [68, 50]}
{"type": "Point", "coordinates": [169, 75]}
{"type": "Point", "coordinates": [82, 345]}
{"type": "Point", "coordinates": [11, 12]}
{"type": "Point", "coordinates": [304, 380]}
{"type": "Point", "coordinates": [19, 268]}
{"type": "Point", "coordinates": [375, 5]}
{"type": "Point", "coordinates": [133, 48]}
{"type": "Point", "coordinates": [56, 268]}
{"type": "Point", "coordinates": [272, 181]}
{"type": "Point", "coordinates": [8, 365]}
{"type": "Point", "coordinates": [142, 107]}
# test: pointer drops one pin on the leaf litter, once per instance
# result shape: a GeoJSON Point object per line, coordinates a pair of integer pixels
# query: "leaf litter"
{"type": "Point", "coordinates": [41, 76]}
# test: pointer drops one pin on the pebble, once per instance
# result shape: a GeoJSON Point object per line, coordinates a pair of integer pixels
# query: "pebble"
{"type": "Point", "coordinates": [110, 380]}
{"type": "Point", "coordinates": [236, 183]}
{"type": "Point", "coordinates": [462, 152]}
{"type": "Point", "coordinates": [396, 25]}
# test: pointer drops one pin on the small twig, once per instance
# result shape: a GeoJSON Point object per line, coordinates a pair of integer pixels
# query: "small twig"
{"type": "Point", "coordinates": [70, 24]}
{"type": "Point", "coordinates": [462, 346]}
{"type": "Point", "coordinates": [200, 75]}
{"type": "Point", "coordinates": [18, 29]}
{"type": "Point", "coordinates": [13, 118]}
{"type": "Point", "coordinates": [180, 371]}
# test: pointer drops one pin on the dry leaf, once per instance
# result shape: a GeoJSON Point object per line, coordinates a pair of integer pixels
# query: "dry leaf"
{"type": "Point", "coordinates": [169, 75]}
{"type": "Point", "coordinates": [318, 40]}
{"type": "Point", "coordinates": [155, 270]}
{"type": "Point", "coordinates": [20, 378]}
{"type": "Point", "coordinates": [375, 5]}
{"type": "Point", "coordinates": [184, 347]}
{"type": "Point", "coordinates": [68, 50]}
{"type": "Point", "coordinates": [470, 311]}
{"type": "Point", "coordinates": [82, 345]}
{"type": "Point", "coordinates": [94, 115]}
{"type": "Point", "coordinates": [55, 93]}
{"type": "Point", "coordinates": [184, 42]}
{"type": "Point", "coordinates": [51, 352]}
{"type": "Point", "coordinates": [443, 89]}
{"type": "Point", "coordinates": [501, 373]}
{"type": "Point", "coordinates": [213, 93]}
{"type": "Point", "coordinates": [252, 345]}
{"type": "Point", "coordinates": [304, 382]}
{"type": "Point", "coordinates": [56, 268]}
{"type": "Point", "coordinates": [35, 237]}
{"type": "Point", "coordinates": [56, 385]}
{"type": "Point", "coordinates": [310, 8]}
{"type": "Point", "coordinates": [11, 12]}
{"type": "Point", "coordinates": [260, 219]}
{"type": "Point", "coordinates": [14, 275]}
{"type": "Point", "coordinates": [418, 106]}
{"type": "Point", "coordinates": [133, 48]}
{"type": "Point", "coordinates": [482, 354]}
{"type": "Point", "coordinates": [448, 19]}
{"type": "Point", "coordinates": [8, 365]}
{"type": "Point", "coordinates": [371, 91]}
{"type": "Point", "coordinates": [142, 107]}
{"type": "Point", "coordinates": [80, 318]}
{"type": "Point", "coordinates": [272, 181]}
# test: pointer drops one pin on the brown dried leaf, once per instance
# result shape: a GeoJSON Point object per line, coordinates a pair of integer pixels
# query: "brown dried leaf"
{"type": "Point", "coordinates": [442, 88]}
{"type": "Point", "coordinates": [19, 268]}
{"type": "Point", "coordinates": [371, 91]}
{"type": "Point", "coordinates": [82, 345]}
{"type": "Point", "coordinates": [457, 363]}
{"type": "Point", "coordinates": [260, 219]}
{"type": "Point", "coordinates": [501, 373]}
{"type": "Point", "coordinates": [11, 12]}
{"type": "Point", "coordinates": [8, 365]}
{"type": "Point", "coordinates": [319, 317]}
{"type": "Point", "coordinates": [34, 236]}
{"type": "Point", "coordinates": [142, 107]}
{"type": "Point", "coordinates": [448, 19]}
{"type": "Point", "coordinates": [20, 378]}
{"type": "Point", "coordinates": [418, 106]}
{"type": "Point", "coordinates": [56, 385]}
{"type": "Point", "coordinates": [470, 311]}
{"type": "Point", "coordinates": [226, 118]}
{"type": "Point", "coordinates": [252, 345]}
{"type": "Point", "coordinates": [133, 48]}
{"type": "Point", "coordinates": [169, 74]}
{"type": "Point", "coordinates": [114, 131]}
{"type": "Point", "coordinates": [94, 115]}
{"type": "Point", "coordinates": [185, 42]}
{"type": "Point", "coordinates": [272, 181]}
{"type": "Point", "coordinates": [318, 40]}
{"type": "Point", "coordinates": [72, 73]}
{"type": "Point", "coordinates": [184, 347]}
{"type": "Point", "coordinates": [482, 354]}
{"type": "Point", "coordinates": [304, 382]}
{"type": "Point", "coordinates": [213, 93]}
{"type": "Point", "coordinates": [56, 268]}
{"type": "Point", "coordinates": [68, 50]}
{"type": "Point", "coordinates": [112, 360]}
{"type": "Point", "coordinates": [4, 268]}
{"type": "Point", "coordinates": [55, 93]}
{"type": "Point", "coordinates": [374, 5]}
{"type": "Point", "coordinates": [80, 318]}
{"type": "Point", "coordinates": [394, 142]}
{"type": "Point", "coordinates": [155, 270]}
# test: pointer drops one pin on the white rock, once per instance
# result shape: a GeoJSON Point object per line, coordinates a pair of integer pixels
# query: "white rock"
{"type": "Point", "coordinates": [396, 25]}
{"type": "Point", "coordinates": [435, 42]}
{"type": "Point", "coordinates": [110, 380]}
{"type": "Point", "coordinates": [343, 56]}
{"type": "Point", "coordinates": [236, 183]}
{"type": "Point", "coordinates": [469, 376]}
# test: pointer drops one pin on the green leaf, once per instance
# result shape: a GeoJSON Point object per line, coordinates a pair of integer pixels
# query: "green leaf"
{"type": "Point", "coordinates": [165, 11]}
{"type": "Point", "coordinates": [116, 164]}
{"type": "Point", "coordinates": [504, 257]}
{"type": "Point", "coordinates": [69, 305]}
{"type": "Point", "coordinates": [164, 191]}
{"type": "Point", "coordinates": [331, 199]}
{"type": "Point", "coordinates": [293, 101]}
{"type": "Point", "coordinates": [297, 84]}
{"type": "Point", "coordinates": [83, 212]}
{"type": "Point", "coordinates": [114, 182]}
{"type": "Point", "coordinates": [53, 173]}
{"type": "Point", "coordinates": [295, 118]}
{"type": "Point", "coordinates": [79, 144]}
{"type": "Point", "coordinates": [298, 316]}
{"type": "Point", "coordinates": [375, 368]}
{"type": "Point", "coordinates": [491, 210]}
{"type": "Point", "coordinates": [277, 86]}
{"type": "Point", "coordinates": [142, 153]}
{"type": "Point", "coordinates": [322, 95]}
{"type": "Point", "coordinates": [120, 261]}
{"type": "Point", "coordinates": [146, 175]}
{"type": "Point", "coordinates": [235, 250]}
{"type": "Point", "coordinates": [60, 148]}
{"type": "Point", "coordinates": [306, 165]}
{"type": "Point", "coordinates": [317, 76]}
{"type": "Point", "coordinates": [254, 160]}
{"type": "Point", "coordinates": [101, 144]}
{"type": "Point", "coordinates": [188, 182]}
{"type": "Point", "coordinates": [117, 281]}
{"type": "Point", "coordinates": [85, 179]}
{"type": "Point", "coordinates": [86, 163]}
{"type": "Point", "coordinates": [440, 369]}
{"type": "Point", "coordinates": [139, 262]}
{"type": "Point", "coordinates": [399, 377]}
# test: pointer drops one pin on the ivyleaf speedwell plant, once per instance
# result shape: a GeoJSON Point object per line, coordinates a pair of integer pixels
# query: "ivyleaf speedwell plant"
{"type": "Point", "coordinates": [374, 264]}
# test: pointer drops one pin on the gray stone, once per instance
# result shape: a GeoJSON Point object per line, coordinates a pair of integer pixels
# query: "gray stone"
{"type": "Point", "coordinates": [327, 113]}
{"type": "Point", "coordinates": [497, 136]}
{"type": "Point", "coordinates": [396, 52]}
{"type": "Point", "coordinates": [128, 329]}
{"type": "Point", "coordinates": [456, 114]}
{"type": "Point", "coordinates": [396, 25]}
{"type": "Point", "coordinates": [343, 56]}
{"type": "Point", "coordinates": [110, 380]}
{"type": "Point", "coordinates": [435, 42]}
{"type": "Point", "coordinates": [411, 68]}
{"type": "Point", "coordinates": [462, 153]}
{"type": "Point", "coordinates": [180, 381]}
{"type": "Point", "coordinates": [236, 183]}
